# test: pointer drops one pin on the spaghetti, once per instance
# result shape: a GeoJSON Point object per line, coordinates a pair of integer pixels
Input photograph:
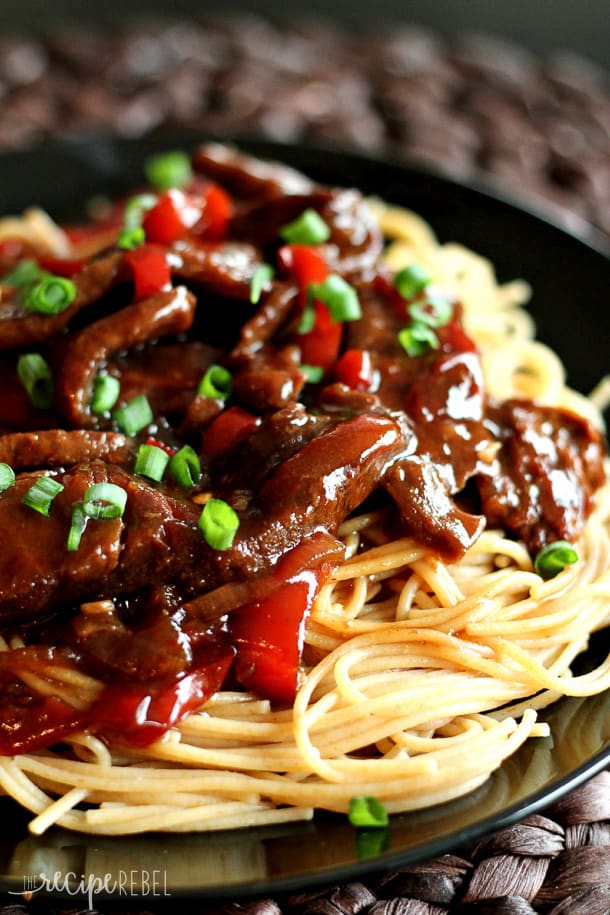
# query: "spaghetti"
{"type": "Point", "coordinates": [419, 673]}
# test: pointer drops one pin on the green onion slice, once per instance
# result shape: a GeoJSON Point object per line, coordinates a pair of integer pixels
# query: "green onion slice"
{"type": "Point", "coordinates": [7, 476]}
{"type": "Point", "coordinates": [106, 389]}
{"type": "Point", "coordinates": [411, 280]}
{"type": "Point", "coordinates": [263, 274]}
{"type": "Point", "coordinates": [35, 376]}
{"type": "Point", "coordinates": [24, 273]}
{"type": "Point", "coordinates": [340, 298]}
{"type": "Point", "coordinates": [50, 296]}
{"type": "Point", "coordinates": [435, 311]}
{"type": "Point", "coordinates": [217, 383]}
{"type": "Point", "coordinates": [77, 527]}
{"type": "Point", "coordinates": [40, 496]}
{"type": "Point", "coordinates": [135, 208]}
{"type": "Point", "coordinates": [151, 462]}
{"type": "Point", "coordinates": [554, 558]}
{"type": "Point", "coordinates": [185, 467]}
{"type": "Point", "coordinates": [367, 811]}
{"type": "Point", "coordinates": [307, 320]}
{"type": "Point", "coordinates": [218, 523]}
{"type": "Point", "coordinates": [134, 416]}
{"type": "Point", "coordinates": [417, 339]}
{"type": "Point", "coordinates": [104, 501]}
{"type": "Point", "coordinates": [168, 170]}
{"type": "Point", "coordinates": [131, 238]}
{"type": "Point", "coordinates": [307, 229]}
{"type": "Point", "coordinates": [313, 373]}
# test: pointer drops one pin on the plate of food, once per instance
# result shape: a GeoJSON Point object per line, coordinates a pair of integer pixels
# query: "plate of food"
{"type": "Point", "coordinates": [305, 558]}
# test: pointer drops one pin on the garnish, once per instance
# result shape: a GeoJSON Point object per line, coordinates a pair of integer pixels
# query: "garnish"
{"type": "Point", "coordinates": [50, 296]}
{"type": "Point", "coordinates": [40, 496]}
{"type": "Point", "coordinates": [307, 229]}
{"type": "Point", "coordinates": [77, 527]}
{"type": "Point", "coordinates": [104, 501]}
{"type": "Point", "coordinates": [261, 276]}
{"type": "Point", "coordinates": [151, 462]}
{"type": "Point", "coordinates": [216, 383]}
{"type": "Point", "coordinates": [433, 310]}
{"type": "Point", "coordinates": [554, 558]}
{"type": "Point", "coordinates": [7, 476]}
{"type": "Point", "coordinates": [340, 298]}
{"type": "Point", "coordinates": [367, 811]}
{"type": "Point", "coordinates": [417, 339]}
{"type": "Point", "coordinates": [185, 467]}
{"type": "Point", "coordinates": [411, 280]}
{"type": "Point", "coordinates": [106, 389]}
{"type": "Point", "coordinates": [35, 376]}
{"type": "Point", "coordinates": [313, 373]}
{"type": "Point", "coordinates": [218, 523]}
{"type": "Point", "coordinates": [134, 416]}
{"type": "Point", "coordinates": [168, 170]}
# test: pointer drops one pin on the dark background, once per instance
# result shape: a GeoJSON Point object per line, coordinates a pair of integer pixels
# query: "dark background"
{"type": "Point", "coordinates": [542, 25]}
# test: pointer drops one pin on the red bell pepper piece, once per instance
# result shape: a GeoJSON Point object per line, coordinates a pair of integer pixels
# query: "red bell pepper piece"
{"type": "Point", "coordinates": [231, 426]}
{"type": "Point", "coordinates": [355, 369]}
{"type": "Point", "coordinates": [62, 266]}
{"type": "Point", "coordinates": [151, 272]}
{"type": "Point", "coordinates": [173, 215]}
{"type": "Point", "coordinates": [320, 345]}
{"type": "Point", "coordinates": [141, 715]}
{"type": "Point", "coordinates": [269, 638]}
{"type": "Point", "coordinates": [216, 216]}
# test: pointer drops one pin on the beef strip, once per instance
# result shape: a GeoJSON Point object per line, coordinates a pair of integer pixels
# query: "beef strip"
{"type": "Point", "coordinates": [62, 448]}
{"type": "Point", "coordinates": [164, 313]}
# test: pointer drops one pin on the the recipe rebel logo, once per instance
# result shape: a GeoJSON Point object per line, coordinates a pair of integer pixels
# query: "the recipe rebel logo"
{"type": "Point", "coordinates": [138, 883]}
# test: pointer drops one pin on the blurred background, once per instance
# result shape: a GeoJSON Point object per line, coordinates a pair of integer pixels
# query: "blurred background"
{"type": "Point", "coordinates": [516, 95]}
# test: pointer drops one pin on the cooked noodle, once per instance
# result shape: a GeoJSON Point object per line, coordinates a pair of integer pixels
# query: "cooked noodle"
{"type": "Point", "coordinates": [421, 677]}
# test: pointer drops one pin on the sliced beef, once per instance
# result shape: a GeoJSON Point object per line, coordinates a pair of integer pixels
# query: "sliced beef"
{"type": "Point", "coordinates": [63, 448]}
{"type": "Point", "coordinates": [549, 465]}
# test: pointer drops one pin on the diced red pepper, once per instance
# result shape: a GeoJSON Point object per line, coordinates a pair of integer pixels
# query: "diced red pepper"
{"type": "Point", "coordinates": [173, 215]}
{"type": "Point", "coordinates": [355, 369]}
{"type": "Point", "coordinates": [141, 715]}
{"type": "Point", "coordinates": [62, 266]}
{"type": "Point", "coordinates": [269, 638]}
{"type": "Point", "coordinates": [156, 443]}
{"type": "Point", "coordinates": [305, 263]}
{"type": "Point", "coordinates": [151, 272]}
{"type": "Point", "coordinates": [231, 426]}
{"type": "Point", "coordinates": [454, 339]}
{"type": "Point", "coordinates": [217, 212]}
{"type": "Point", "coordinates": [320, 345]}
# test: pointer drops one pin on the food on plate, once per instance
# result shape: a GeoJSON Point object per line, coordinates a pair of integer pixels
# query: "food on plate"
{"type": "Point", "coordinates": [294, 510]}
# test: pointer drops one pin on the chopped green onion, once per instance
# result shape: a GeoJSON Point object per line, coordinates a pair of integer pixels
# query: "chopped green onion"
{"type": "Point", "coordinates": [185, 467]}
{"type": "Point", "coordinates": [77, 527]}
{"type": "Point", "coordinates": [35, 376]}
{"type": "Point", "coordinates": [168, 170]}
{"type": "Point", "coordinates": [417, 339]}
{"type": "Point", "coordinates": [554, 558]}
{"type": "Point", "coordinates": [218, 523]}
{"type": "Point", "coordinates": [307, 320]}
{"type": "Point", "coordinates": [340, 298]}
{"type": "Point", "coordinates": [307, 229]}
{"type": "Point", "coordinates": [135, 209]}
{"type": "Point", "coordinates": [411, 280]}
{"type": "Point", "coordinates": [131, 238]}
{"type": "Point", "coordinates": [367, 811]}
{"type": "Point", "coordinates": [435, 311]}
{"type": "Point", "coordinates": [106, 389]}
{"type": "Point", "coordinates": [104, 501]}
{"type": "Point", "coordinates": [151, 462]}
{"type": "Point", "coordinates": [216, 383]}
{"type": "Point", "coordinates": [7, 477]}
{"type": "Point", "coordinates": [24, 273]}
{"type": "Point", "coordinates": [313, 373]}
{"type": "Point", "coordinates": [261, 276]}
{"type": "Point", "coordinates": [134, 416]}
{"type": "Point", "coordinates": [40, 496]}
{"type": "Point", "coordinates": [50, 296]}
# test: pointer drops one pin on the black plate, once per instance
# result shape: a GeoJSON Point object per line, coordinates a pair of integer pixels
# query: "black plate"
{"type": "Point", "coordinates": [570, 279]}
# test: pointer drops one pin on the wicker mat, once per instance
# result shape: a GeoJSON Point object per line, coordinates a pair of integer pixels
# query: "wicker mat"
{"type": "Point", "coordinates": [556, 863]}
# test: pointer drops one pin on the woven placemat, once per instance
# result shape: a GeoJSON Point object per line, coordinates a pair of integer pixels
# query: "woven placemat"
{"type": "Point", "coordinates": [555, 863]}
{"type": "Point", "coordinates": [473, 105]}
